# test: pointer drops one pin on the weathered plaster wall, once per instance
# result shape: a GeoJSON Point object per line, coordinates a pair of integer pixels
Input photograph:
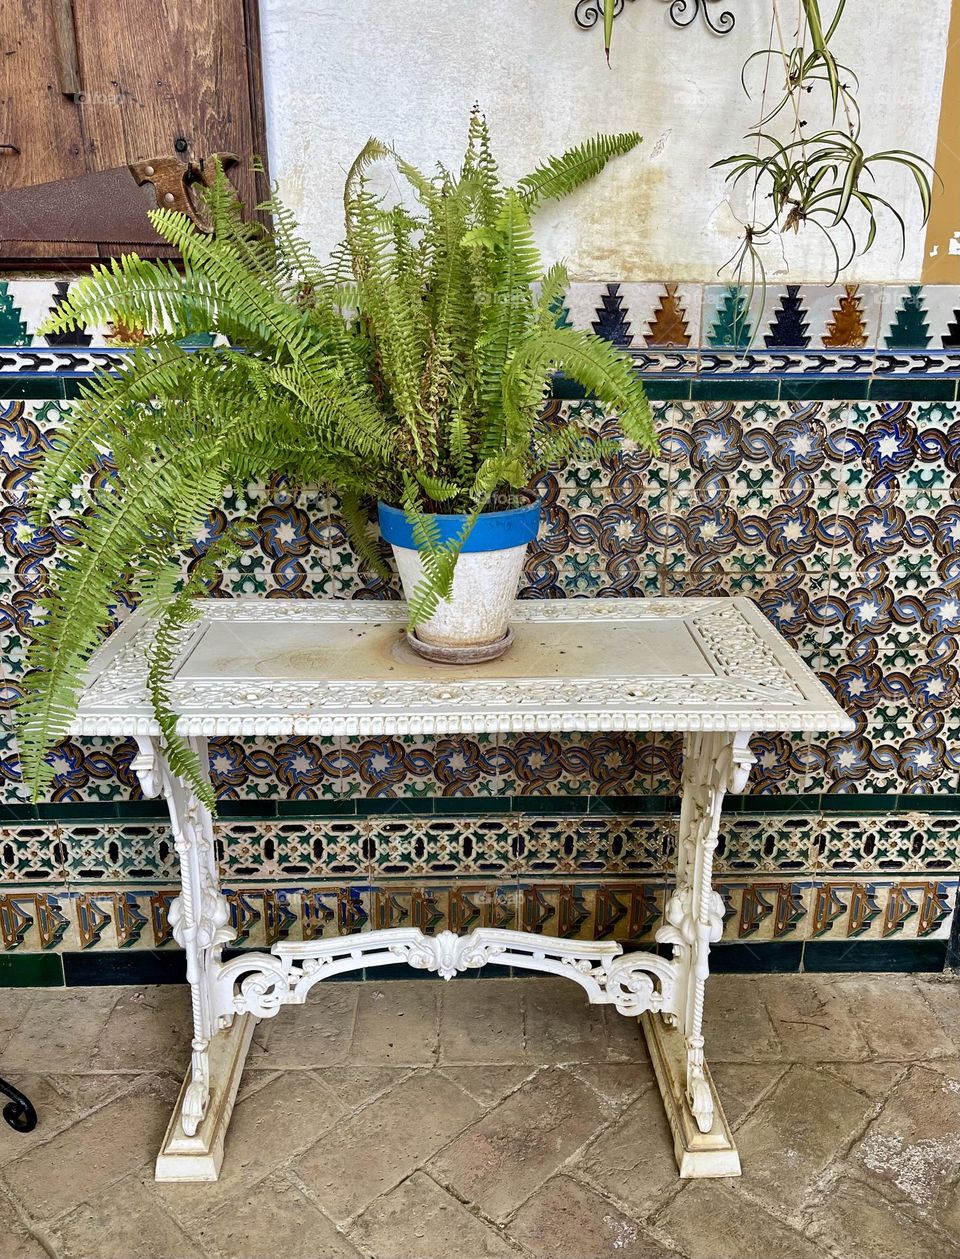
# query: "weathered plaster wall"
{"type": "Point", "coordinates": [338, 72]}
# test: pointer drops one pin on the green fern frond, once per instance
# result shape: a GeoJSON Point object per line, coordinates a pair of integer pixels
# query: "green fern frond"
{"type": "Point", "coordinates": [178, 611]}
{"type": "Point", "coordinates": [559, 176]}
{"type": "Point", "coordinates": [593, 363]}
{"type": "Point", "coordinates": [410, 366]}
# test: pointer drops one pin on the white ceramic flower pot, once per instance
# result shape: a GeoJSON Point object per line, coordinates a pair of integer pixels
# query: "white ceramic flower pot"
{"type": "Point", "coordinates": [485, 581]}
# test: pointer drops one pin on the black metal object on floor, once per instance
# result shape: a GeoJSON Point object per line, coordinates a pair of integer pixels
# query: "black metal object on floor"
{"type": "Point", "coordinates": [18, 1112]}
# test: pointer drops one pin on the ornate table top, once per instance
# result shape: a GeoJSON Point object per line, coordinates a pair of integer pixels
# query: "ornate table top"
{"type": "Point", "coordinates": [325, 667]}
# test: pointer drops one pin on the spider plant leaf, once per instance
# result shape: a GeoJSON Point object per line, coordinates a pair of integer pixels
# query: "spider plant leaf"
{"type": "Point", "coordinates": [761, 52]}
{"type": "Point", "coordinates": [848, 188]}
{"type": "Point", "coordinates": [838, 14]}
{"type": "Point", "coordinates": [867, 204]}
{"type": "Point", "coordinates": [913, 164]}
{"type": "Point", "coordinates": [609, 10]}
{"type": "Point", "coordinates": [874, 197]}
{"type": "Point", "coordinates": [836, 253]}
{"type": "Point", "coordinates": [811, 9]}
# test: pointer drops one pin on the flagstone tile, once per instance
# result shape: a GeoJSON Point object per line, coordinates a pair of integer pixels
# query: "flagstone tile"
{"type": "Point", "coordinates": [501, 1159]}
{"type": "Point", "coordinates": [59, 1031]}
{"type": "Point", "coordinates": [856, 1219]}
{"type": "Point", "coordinates": [19, 1242]}
{"type": "Point", "coordinates": [387, 1141]}
{"type": "Point", "coordinates": [563, 1217]}
{"type": "Point", "coordinates": [125, 1221]}
{"type": "Point", "coordinates": [87, 1158]}
{"type": "Point", "coordinates": [632, 1159]}
{"type": "Point", "coordinates": [147, 1029]}
{"type": "Point", "coordinates": [397, 1023]}
{"type": "Point", "coordinates": [910, 1152]}
{"type": "Point", "coordinates": [912, 1032]}
{"type": "Point", "coordinates": [712, 1219]}
{"type": "Point", "coordinates": [420, 1219]}
{"type": "Point", "coordinates": [272, 1215]}
{"type": "Point", "coordinates": [316, 1034]}
{"type": "Point", "coordinates": [795, 1133]}
{"type": "Point", "coordinates": [292, 1113]}
{"type": "Point", "coordinates": [481, 1025]}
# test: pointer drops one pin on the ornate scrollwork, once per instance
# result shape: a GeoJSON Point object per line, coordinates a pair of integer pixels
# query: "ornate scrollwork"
{"type": "Point", "coordinates": [146, 766]}
{"type": "Point", "coordinates": [448, 954]}
{"type": "Point", "coordinates": [258, 984]}
{"type": "Point", "coordinates": [587, 13]}
{"type": "Point", "coordinates": [194, 1104]}
{"type": "Point", "coordinates": [684, 12]}
{"type": "Point", "coordinates": [680, 928]}
{"type": "Point", "coordinates": [700, 1101]}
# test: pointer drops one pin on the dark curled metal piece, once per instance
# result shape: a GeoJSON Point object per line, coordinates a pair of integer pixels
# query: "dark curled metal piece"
{"type": "Point", "coordinates": [18, 1112]}
{"type": "Point", "coordinates": [588, 13]}
{"type": "Point", "coordinates": [683, 12]}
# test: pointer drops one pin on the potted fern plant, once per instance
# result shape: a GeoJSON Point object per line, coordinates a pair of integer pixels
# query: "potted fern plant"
{"type": "Point", "coordinates": [410, 368]}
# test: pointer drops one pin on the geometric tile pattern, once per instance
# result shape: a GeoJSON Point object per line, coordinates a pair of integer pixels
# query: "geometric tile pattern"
{"type": "Point", "coordinates": [38, 918]}
{"type": "Point", "coordinates": [812, 320]}
{"type": "Point", "coordinates": [837, 511]}
{"type": "Point", "coordinates": [109, 886]}
{"type": "Point", "coordinates": [840, 520]}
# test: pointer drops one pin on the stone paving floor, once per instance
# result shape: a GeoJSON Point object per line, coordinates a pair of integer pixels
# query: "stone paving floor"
{"type": "Point", "coordinates": [489, 1118]}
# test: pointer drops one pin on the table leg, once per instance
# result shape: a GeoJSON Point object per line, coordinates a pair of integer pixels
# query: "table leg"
{"type": "Point", "coordinates": [200, 918]}
{"type": "Point", "coordinates": [713, 764]}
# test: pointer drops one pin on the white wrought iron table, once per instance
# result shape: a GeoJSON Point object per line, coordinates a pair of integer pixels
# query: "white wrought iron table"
{"type": "Point", "coordinates": [712, 668]}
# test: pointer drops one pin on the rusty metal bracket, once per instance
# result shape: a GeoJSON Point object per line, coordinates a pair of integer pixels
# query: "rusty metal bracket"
{"type": "Point", "coordinates": [172, 179]}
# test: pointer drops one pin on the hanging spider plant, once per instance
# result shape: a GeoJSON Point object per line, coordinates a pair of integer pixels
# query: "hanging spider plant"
{"type": "Point", "coordinates": [818, 179]}
{"type": "Point", "coordinates": [826, 179]}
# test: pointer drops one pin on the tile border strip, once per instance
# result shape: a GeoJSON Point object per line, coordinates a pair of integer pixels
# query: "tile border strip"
{"type": "Point", "coordinates": [137, 811]}
{"type": "Point", "coordinates": [927, 385]}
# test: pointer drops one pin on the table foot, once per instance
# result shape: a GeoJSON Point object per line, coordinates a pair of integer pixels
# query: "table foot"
{"type": "Point", "coordinates": [699, 1154]}
{"type": "Point", "coordinates": [198, 1157]}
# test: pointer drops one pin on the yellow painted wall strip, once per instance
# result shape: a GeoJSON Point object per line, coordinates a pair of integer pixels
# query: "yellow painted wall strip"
{"type": "Point", "coordinates": [941, 264]}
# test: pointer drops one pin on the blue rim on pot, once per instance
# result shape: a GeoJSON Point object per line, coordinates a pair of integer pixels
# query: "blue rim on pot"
{"type": "Point", "coordinates": [474, 624]}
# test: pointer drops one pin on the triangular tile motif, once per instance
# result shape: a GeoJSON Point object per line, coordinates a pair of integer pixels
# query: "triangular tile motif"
{"type": "Point", "coordinates": [611, 322]}
{"type": "Point", "coordinates": [51, 922]}
{"type": "Point", "coordinates": [828, 908]}
{"type": "Point", "coordinates": [561, 312]}
{"type": "Point", "coordinates": [909, 330]}
{"type": "Point", "coordinates": [121, 333]}
{"type": "Point", "coordinates": [789, 327]}
{"type": "Point", "coordinates": [731, 326]}
{"type": "Point", "coordinates": [951, 339]}
{"type": "Point", "coordinates": [74, 337]}
{"type": "Point", "coordinates": [13, 328]}
{"type": "Point", "coordinates": [847, 326]}
{"type": "Point", "coordinates": [668, 327]}
{"type": "Point", "coordinates": [278, 917]}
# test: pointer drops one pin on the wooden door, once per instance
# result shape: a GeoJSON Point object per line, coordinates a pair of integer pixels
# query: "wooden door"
{"type": "Point", "coordinates": [90, 85]}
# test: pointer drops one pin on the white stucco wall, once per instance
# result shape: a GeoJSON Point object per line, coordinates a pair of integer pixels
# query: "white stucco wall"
{"type": "Point", "coordinates": [338, 71]}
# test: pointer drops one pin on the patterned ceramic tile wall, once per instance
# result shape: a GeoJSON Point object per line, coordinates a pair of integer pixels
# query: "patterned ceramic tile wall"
{"type": "Point", "coordinates": [109, 885]}
{"type": "Point", "coordinates": [841, 520]}
{"type": "Point", "coordinates": [806, 478]}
